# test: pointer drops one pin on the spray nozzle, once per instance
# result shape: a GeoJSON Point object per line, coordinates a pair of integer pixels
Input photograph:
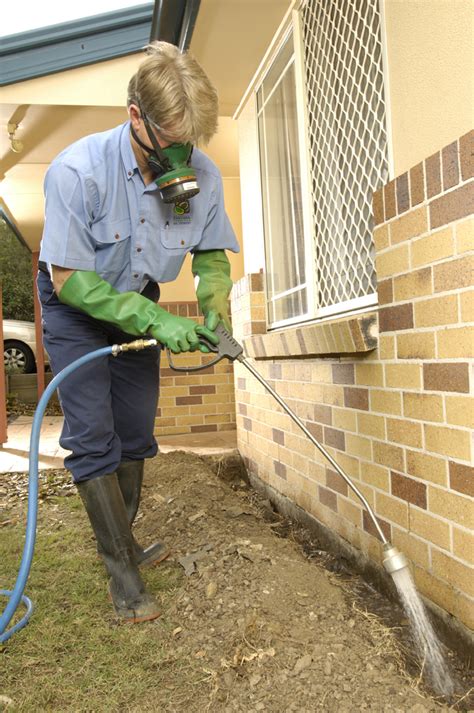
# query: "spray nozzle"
{"type": "Point", "coordinates": [393, 559]}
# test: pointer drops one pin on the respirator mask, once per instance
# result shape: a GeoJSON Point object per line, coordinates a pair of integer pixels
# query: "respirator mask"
{"type": "Point", "coordinates": [175, 178]}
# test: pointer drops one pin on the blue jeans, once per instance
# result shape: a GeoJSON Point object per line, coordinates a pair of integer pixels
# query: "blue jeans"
{"type": "Point", "coordinates": [110, 403]}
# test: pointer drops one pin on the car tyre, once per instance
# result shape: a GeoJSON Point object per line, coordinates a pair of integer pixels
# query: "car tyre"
{"type": "Point", "coordinates": [18, 357]}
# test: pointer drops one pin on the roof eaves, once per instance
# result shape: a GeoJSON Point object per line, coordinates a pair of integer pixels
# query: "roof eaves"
{"type": "Point", "coordinates": [47, 50]}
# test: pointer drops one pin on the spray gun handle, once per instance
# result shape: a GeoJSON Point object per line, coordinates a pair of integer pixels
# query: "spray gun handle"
{"type": "Point", "coordinates": [228, 347]}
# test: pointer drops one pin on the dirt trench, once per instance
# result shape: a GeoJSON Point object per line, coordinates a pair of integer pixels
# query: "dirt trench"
{"type": "Point", "coordinates": [272, 630]}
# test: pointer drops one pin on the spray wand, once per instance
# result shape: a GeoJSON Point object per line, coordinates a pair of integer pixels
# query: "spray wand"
{"type": "Point", "coordinates": [229, 348]}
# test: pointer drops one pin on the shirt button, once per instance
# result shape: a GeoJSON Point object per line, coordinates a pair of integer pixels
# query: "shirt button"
{"type": "Point", "coordinates": [130, 173]}
{"type": "Point", "coordinates": [182, 242]}
{"type": "Point", "coordinates": [135, 275]}
{"type": "Point", "coordinates": [117, 236]}
{"type": "Point", "coordinates": [139, 250]}
{"type": "Point", "coordinates": [142, 220]}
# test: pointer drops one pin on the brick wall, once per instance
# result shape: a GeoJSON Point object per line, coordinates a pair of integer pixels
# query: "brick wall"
{"type": "Point", "coordinates": [398, 418]}
{"type": "Point", "coordinates": [199, 402]}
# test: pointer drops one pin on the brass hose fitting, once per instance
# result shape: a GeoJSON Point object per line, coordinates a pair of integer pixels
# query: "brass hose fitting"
{"type": "Point", "coordinates": [136, 346]}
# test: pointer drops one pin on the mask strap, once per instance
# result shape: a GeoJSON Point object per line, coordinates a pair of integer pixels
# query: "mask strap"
{"type": "Point", "coordinates": [156, 146]}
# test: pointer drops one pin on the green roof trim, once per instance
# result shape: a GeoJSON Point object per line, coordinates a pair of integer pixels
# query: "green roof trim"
{"type": "Point", "coordinates": [47, 50]}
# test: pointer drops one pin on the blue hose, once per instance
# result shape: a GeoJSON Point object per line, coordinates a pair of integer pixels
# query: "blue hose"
{"type": "Point", "coordinates": [17, 594]}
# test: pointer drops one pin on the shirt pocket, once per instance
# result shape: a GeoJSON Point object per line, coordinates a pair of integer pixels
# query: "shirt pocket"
{"type": "Point", "coordinates": [112, 248]}
{"type": "Point", "coordinates": [175, 244]}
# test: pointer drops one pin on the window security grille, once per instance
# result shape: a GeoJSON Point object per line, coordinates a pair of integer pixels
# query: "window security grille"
{"type": "Point", "coordinates": [348, 145]}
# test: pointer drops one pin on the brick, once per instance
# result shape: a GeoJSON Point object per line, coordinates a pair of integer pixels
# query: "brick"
{"type": "Point", "coordinates": [381, 238]}
{"type": "Point", "coordinates": [427, 467]}
{"type": "Point", "coordinates": [452, 206]}
{"type": "Point", "coordinates": [414, 284]}
{"type": "Point", "coordinates": [454, 275]}
{"type": "Point", "coordinates": [370, 425]}
{"type": "Point", "coordinates": [322, 414]}
{"type": "Point", "coordinates": [377, 207]}
{"type": "Point", "coordinates": [437, 311]}
{"type": "Point", "coordinates": [403, 194]}
{"type": "Point", "coordinates": [465, 235]}
{"type": "Point", "coordinates": [247, 424]}
{"type": "Point", "coordinates": [396, 318]}
{"type": "Point", "coordinates": [376, 475]}
{"type": "Point", "coordinates": [242, 408]}
{"type": "Point", "coordinates": [419, 345]}
{"type": "Point", "coordinates": [461, 478]}
{"type": "Point", "coordinates": [466, 304]}
{"type": "Point", "coordinates": [369, 526]}
{"type": "Point", "coordinates": [434, 589]}
{"type": "Point", "coordinates": [369, 374]}
{"type": "Point", "coordinates": [452, 571]}
{"type": "Point", "coordinates": [359, 446]}
{"type": "Point", "coordinates": [278, 436]}
{"type": "Point", "coordinates": [463, 610]}
{"type": "Point", "coordinates": [356, 398]}
{"type": "Point", "coordinates": [416, 550]}
{"type": "Point", "coordinates": [344, 419]}
{"type": "Point", "coordinates": [386, 346]}
{"type": "Point", "coordinates": [408, 489]}
{"type": "Point", "coordinates": [392, 509]}
{"type": "Point", "coordinates": [389, 200]}
{"type": "Point", "coordinates": [334, 438]}
{"type": "Point", "coordinates": [423, 407]}
{"type": "Point", "coordinates": [209, 428]}
{"type": "Point", "coordinates": [335, 482]}
{"type": "Point", "coordinates": [343, 373]}
{"type": "Point", "coordinates": [316, 430]}
{"type": "Point", "coordinates": [450, 164]}
{"type": "Point", "coordinates": [451, 442]}
{"type": "Point", "coordinates": [203, 389]}
{"type": "Point", "coordinates": [433, 174]}
{"type": "Point", "coordinates": [466, 155]}
{"type": "Point", "coordinates": [446, 377]}
{"type": "Point", "coordinates": [385, 291]}
{"type": "Point", "coordinates": [460, 411]}
{"type": "Point", "coordinates": [405, 432]}
{"type": "Point", "coordinates": [386, 401]}
{"type": "Point", "coordinates": [409, 226]}
{"type": "Point", "coordinates": [455, 343]}
{"type": "Point", "coordinates": [433, 247]}
{"type": "Point", "coordinates": [392, 262]}
{"type": "Point", "coordinates": [417, 187]}
{"type": "Point", "coordinates": [430, 528]}
{"type": "Point", "coordinates": [350, 511]}
{"type": "Point", "coordinates": [389, 455]}
{"type": "Point", "coordinates": [280, 469]}
{"type": "Point", "coordinates": [403, 376]}
{"type": "Point", "coordinates": [463, 545]}
{"type": "Point", "coordinates": [328, 498]}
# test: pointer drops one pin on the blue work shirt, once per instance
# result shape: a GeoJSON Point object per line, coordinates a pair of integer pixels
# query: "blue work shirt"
{"type": "Point", "coordinates": [100, 216]}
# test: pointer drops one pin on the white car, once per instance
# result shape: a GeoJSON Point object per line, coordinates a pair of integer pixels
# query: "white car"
{"type": "Point", "coordinates": [19, 346]}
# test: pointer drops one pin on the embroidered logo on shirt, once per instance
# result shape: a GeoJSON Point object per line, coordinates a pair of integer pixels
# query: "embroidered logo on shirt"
{"type": "Point", "coordinates": [181, 207]}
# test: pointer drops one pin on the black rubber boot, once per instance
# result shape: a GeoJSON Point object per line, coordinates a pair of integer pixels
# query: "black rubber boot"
{"type": "Point", "coordinates": [130, 476]}
{"type": "Point", "coordinates": [105, 507]}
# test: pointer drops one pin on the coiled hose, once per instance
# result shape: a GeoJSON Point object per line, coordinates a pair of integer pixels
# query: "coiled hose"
{"type": "Point", "coordinates": [17, 594]}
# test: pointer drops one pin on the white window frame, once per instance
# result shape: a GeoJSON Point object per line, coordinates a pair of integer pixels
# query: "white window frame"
{"type": "Point", "coordinates": [292, 24]}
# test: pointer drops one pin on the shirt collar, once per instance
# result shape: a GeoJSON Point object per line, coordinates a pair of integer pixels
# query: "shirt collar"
{"type": "Point", "coordinates": [128, 157]}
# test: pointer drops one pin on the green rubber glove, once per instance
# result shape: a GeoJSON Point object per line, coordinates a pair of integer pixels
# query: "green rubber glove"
{"type": "Point", "coordinates": [133, 313]}
{"type": "Point", "coordinates": [213, 269]}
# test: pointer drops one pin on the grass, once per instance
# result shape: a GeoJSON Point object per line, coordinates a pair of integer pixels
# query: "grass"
{"type": "Point", "coordinates": [73, 655]}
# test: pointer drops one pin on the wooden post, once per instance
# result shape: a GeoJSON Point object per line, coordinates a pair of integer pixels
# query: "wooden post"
{"type": "Point", "coordinates": [40, 381]}
{"type": "Point", "coordinates": [3, 395]}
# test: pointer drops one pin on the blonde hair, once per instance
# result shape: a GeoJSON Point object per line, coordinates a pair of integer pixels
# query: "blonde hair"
{"type": "Point", "coordinates": [173, 90]}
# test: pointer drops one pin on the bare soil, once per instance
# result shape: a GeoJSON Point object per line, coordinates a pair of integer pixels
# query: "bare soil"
{"type": "Point", "coordinates": [273, 630]}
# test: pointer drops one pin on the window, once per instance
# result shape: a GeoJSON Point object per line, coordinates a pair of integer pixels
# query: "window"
{"type": "Point", "coordinates": [323, 151]}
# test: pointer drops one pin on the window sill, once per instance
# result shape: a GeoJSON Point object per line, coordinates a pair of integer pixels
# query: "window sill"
{"type": "Point", "coordinates": [349, 335]}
